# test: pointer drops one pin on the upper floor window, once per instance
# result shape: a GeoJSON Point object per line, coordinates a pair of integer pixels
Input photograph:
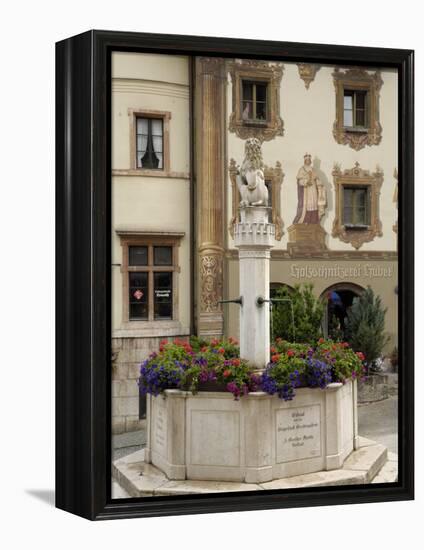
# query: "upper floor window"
{"type": "Point", "coordinates": [357, 201]}
{"type": "Point", "coordinates": [356, 206]}
{"type": "Point", "coordinates": [357, 121]}
{"type": "Point", "coordinates": [149, 143]}
{"type": "Point", "coordinates": [256, 99]}
{"type": "Point", "coordinates": [355, 109]}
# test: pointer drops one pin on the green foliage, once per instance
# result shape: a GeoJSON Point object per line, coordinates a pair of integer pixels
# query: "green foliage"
{"type": "Point", "coordinates": [334, 329]}
{"type": "Point", "coordinates": [307, 316]}
{"type": "Point", "coordinates": [365, 326]}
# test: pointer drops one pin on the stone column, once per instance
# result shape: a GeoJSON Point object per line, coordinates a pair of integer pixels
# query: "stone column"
{"type": "Point", "coordinates": [210, 176]}
{"type": "Point", "coordinates": [254, 237]}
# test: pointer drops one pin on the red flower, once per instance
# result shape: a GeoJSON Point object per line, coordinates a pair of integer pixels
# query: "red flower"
{"type": "Point", "coordinates": [275, 358]}
{"type": "Point", "coordinates": [236, 362]}
{"type": "Point", "coordinates": [321, 341]}
{"type": "Point", "coordinates": [360, 355]}
{"type": "Point", "coordinates": [221, 350]}
{"type": "Point", "coordinates": [226, 373]}
{"type": "Point", "coordinates": [345, 344]}
{"type": "Point", "coordinates": [162, 344]}
{"type": "Point", "coordinates": [290, 353]}
{"type": "Point", "coordinates": [204, 348]}
{"type": "Point", "coordinates": [273, 350]}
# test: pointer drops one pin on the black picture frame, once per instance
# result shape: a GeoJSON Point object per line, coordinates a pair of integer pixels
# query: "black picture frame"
{"type": "Point", "coordinates": [83, 178]}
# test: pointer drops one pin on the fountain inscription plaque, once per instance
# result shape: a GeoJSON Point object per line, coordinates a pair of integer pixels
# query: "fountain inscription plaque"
{"type": "Point", "coordinates": [298, 433]}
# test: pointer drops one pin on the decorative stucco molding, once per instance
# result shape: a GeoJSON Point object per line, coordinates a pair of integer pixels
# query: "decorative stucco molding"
{"type": "Point", "coordinates": [267, 72]}
{"type": "Point", "coordinates": [211, 280]}
{"type": "Point", "coordinates": [395, 196]}
{"type": "Point", "coordinates": [340, 255]}
{"type": "Point", "coordinates": [307, 72]}
{"type": "Point", "coordinates": [352, 177]}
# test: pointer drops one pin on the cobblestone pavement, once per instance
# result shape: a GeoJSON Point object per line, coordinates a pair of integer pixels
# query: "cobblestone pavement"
{"type": "Point", "coordinates": [379, 421]}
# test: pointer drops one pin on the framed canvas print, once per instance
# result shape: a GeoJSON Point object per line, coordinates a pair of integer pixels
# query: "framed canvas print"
{"type": "Point", "coordinates": [234, 275]}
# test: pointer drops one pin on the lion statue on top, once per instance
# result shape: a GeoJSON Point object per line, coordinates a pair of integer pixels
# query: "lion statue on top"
{"type": "Point", "coordinates": [250, 176]}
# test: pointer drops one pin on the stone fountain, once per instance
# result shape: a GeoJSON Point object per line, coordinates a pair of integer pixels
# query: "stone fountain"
{"type": "Point", "coordinates": [211, 436]}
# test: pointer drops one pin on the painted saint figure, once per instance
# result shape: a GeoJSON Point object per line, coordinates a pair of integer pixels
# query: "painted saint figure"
{"type": "Point", "coordinates": [311, 194]}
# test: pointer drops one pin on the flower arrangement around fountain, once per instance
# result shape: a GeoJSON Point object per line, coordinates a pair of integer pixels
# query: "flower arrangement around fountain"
{"type": "Point", "coordinates": [199, 365]}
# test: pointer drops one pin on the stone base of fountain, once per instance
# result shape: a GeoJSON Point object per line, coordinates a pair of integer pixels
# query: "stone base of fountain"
{"type": "Point", "coordinates": [210, 436]}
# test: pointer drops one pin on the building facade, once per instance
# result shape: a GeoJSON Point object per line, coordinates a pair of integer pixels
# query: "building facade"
{"type": "Point", "coordinates": [328, 138]}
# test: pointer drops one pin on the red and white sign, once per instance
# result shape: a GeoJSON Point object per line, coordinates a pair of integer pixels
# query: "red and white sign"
{"type": "Point", "coordinates": [138, 294]}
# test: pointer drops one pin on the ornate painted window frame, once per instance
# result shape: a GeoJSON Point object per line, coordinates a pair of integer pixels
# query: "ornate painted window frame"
{"type": "Point", "coordinates": [260, 71]}
{"type": "Point", "coordinates": [352, 177]}
{"type": "Point", "coordinates": [358, 79]}
{"type": "Point", "coordinates": [273, 174]}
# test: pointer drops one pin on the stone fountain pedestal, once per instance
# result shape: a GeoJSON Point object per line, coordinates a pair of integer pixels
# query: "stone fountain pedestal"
{"type": "Point", "coordinates": [254, 237]}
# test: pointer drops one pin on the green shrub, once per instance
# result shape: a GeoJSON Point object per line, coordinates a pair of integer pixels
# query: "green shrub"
{"type": "Point", "coordinates": [304, 322]}
{"type": "Point", "coordinates": [365, 326]}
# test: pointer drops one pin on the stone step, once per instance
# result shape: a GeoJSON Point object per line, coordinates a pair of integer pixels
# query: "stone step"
{"type": "Point", "coordinates": [389, 471]}
{"type": "Point", "coordinates": [371, 463]}
{"type": "Point", "coordinates": [368, 459]}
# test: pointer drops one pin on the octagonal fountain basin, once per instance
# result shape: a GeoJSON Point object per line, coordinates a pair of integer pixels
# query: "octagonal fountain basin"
{"type": "Point", "coordinates": [211, 436]}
